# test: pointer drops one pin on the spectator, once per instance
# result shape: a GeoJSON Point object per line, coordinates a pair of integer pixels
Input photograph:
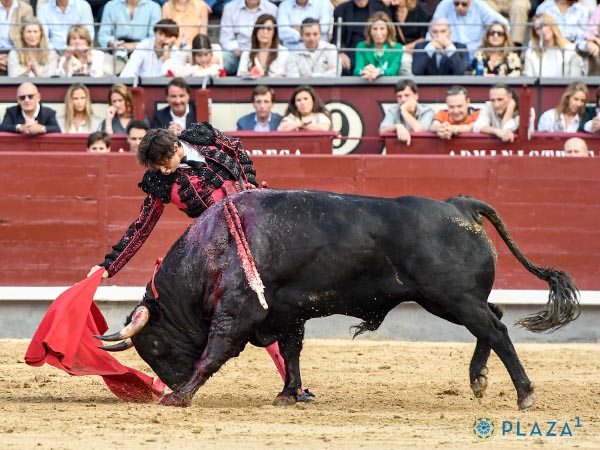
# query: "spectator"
{"type": "Point", "coordinates": [357, 12]}
{"type": "Point", "coordinates": [98, 142]}
{"type": "Point", "coordinates": [190, 15]}
{"type": "Point", "coordinates": [29, 116]}
{"type": "Point", "coordinates": [80, 59]}
{"type": "Point", "coordinates": [517, 12]}
{"type": "Point", "coordinates": [570, 15]}
{"type": "Point", "coordinates": [558, 56]}
{"type": "Point", "coordinates": [57, 16]}
{"type": "Point", "coordinates": [384, 55]}
{"type": "Point", "coordinates": [500, 115]}
{"type": "Point", "coordinates": [125, 23]}
{"type": "Point", "coordinates": [468, 20]}
{"type": "Point", "coordinates": [408, 114]}
{"type": "Point", "coordinates": [591, 118]}
{"type": "Point", "coordinates": [568, 114]}
{"type": "Point", "coordinates": [204, 63]}
{"type": "Point", "coordinates": [305, 111]}
{"type": "Point", "coordinates": [440, 55]}
{"type": "Point", "coordinates": [591, 44]}
{"type": "Point", "coordinates": [136, 130]}
{"type": "Point", "coordinates": [267, 57]}
{"type": "Point", "coordinates": [12, 14]}
{"type": "Point", "coordinates": [496, 53]}
{"type": "Point", "coordinates": [576, 147]}
{"type": "Point", "coordinates": [120, 110]}
{"type": "Point", "coordinates": [237, 26]}
{"type": "Point", "coordinates": [458, 118]}
{"type": "Point", "coordinates": [33, 59]}
{"type": "Point", "coordinates": [291, 13]}
{"type": "Point", "coordinates": [181, 113]}
{"type": "Point", "coordinates": [149, 59]}
{"type": "Point", "coordinates": [262, 119]}
{"type": "Point", "coordinates": [314, 58]}
{"type": "Point", "coordinates": [79, 115]}
{"type": "Point", "coordinates": [408, 13]}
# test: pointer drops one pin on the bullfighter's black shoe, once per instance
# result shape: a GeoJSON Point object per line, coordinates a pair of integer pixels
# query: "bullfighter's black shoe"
{"type": "Point", "coordinates": [306, 396]}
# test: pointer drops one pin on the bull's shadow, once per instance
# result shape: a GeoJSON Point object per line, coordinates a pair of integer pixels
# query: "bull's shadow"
{"type": "Point", "coordinates": [318, 254]}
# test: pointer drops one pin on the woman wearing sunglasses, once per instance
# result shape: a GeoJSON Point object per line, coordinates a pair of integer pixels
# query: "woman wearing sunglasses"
{"type": "Point", "coordinates": [497, 53]}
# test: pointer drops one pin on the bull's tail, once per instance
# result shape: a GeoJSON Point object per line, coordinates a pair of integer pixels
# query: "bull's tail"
{"type": "Point", "coordinates": [563, 299]}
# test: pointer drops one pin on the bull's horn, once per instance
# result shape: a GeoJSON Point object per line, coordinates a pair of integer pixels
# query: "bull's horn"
{"type": "Point", "coordinates": [123, 345]}
{"type": "Point", "coordinates": [139, 319]}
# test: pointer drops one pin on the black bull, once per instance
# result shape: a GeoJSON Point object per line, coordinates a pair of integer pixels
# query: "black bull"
{"type": "Point", "coordinates": [318, 254]}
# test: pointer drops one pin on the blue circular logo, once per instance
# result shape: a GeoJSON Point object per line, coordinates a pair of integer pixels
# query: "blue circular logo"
{"type": "Point", "coordinates": [483, 428]}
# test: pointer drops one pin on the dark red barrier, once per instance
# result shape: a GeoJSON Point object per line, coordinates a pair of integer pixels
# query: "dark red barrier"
{"type": "Point", "coordinates": [59, 216]}
{"type": "Point", "coordinates": [286, 142]}
{"type": "Point", "coordinates": [54, 142]}
{"type": "Point", "coordinates": [478, 144]}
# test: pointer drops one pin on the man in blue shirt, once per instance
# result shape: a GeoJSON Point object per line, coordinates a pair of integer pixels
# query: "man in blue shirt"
{"type": "Point", "coordinates": [57, 16]}
{"type": "Point", "coordinates": [291, 14]}
{"type": "Point", "coordinates": [121, 28]}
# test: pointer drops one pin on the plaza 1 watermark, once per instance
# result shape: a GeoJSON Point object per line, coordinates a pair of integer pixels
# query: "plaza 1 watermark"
{"type": "Point", "coordinates": [484, 428]}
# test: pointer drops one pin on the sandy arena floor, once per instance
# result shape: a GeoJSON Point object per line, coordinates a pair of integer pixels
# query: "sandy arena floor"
{"type": "Point", "coordinates": [370, 395]}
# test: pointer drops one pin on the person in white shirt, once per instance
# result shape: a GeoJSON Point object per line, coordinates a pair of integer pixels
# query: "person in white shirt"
{"type": "Point", "coordinates": [267, 57]}
{"type": "Point", "coordinates": [149, 57]}
{"type": "Point", "coordinates": [291, 13]}
{"type": "Point", "coordinates": [500, 115]}
{"type": "Point", "coordinates": [57, 16]}
{"type": "Point", "coordinates": [314, 58]}
{"type": "Point", "coordinates": [568, 115]}
{"type": "Point", "coordinates": [12, 14]}
{"type": "Point", "coordinates": [237, 24]}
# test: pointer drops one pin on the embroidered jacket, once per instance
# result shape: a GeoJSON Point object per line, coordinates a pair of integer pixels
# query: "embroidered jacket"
{"type": "Point", "coordinates": [191, 189]}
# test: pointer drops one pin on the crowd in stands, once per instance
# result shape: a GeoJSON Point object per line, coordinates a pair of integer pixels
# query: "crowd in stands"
{"type": "Point", "coordinates": [263, 38]}
{"type": "Point", "coordinates": [300, 39]}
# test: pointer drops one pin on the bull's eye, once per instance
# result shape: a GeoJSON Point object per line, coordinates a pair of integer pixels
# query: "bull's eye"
{"type": "Point", "coordinates": [155, 348]}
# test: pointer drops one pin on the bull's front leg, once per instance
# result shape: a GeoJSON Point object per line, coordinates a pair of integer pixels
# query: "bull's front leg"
{"type": "Point", "coordinates": [290, 346]}
{"type": "Point", "coordinates": [219, 349]}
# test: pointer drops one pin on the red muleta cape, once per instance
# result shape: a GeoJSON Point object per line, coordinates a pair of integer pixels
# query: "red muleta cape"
{"type": "Point", "coordinates": [64, 340]}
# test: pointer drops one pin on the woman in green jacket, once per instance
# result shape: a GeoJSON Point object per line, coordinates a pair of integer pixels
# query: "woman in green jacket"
{"type": "Point", "coordinates": [380, 54]}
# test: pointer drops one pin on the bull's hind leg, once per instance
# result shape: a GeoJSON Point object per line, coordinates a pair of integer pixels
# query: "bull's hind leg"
{"type": "Point", "coordinates": [290, 346]}
{"type": "Point", "coordinates": [478, 369]}
{"type": "Point", "coordinates": [488, 330]}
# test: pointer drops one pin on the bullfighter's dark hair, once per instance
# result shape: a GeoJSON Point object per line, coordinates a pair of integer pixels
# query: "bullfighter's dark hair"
{"type": "Point", "coordinates": [180, 83]}
{"type": "Point", "coordinates": [403, 84]}
{"type": "Point", "coordinates": [157, 147]}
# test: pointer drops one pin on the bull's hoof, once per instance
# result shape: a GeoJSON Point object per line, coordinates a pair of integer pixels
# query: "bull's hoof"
{"type": "Point", "coordinates": [527, 401]}
{"type": "Point", "coordinates": [480, 384]}
{"type": "Point", "coordinates": [174, 400]}
{"type": "Point", "coordinates": [305, 396]}
{"type": "Point", "coordinates": [284, 400]}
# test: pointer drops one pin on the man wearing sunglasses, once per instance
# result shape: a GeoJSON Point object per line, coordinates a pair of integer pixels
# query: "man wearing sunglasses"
{"type": "Point", "coordinates": [29, 116]}
{"type": "Point", "coordinates": [468, 20]}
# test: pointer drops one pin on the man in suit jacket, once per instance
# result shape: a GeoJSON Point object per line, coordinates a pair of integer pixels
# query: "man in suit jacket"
{"type": "Point", "coordinates": [440, 56]}
{"type": "Point", "coordinates": [181, 113]}
{"type": "Point", "coordinates": [263, 119]}
{"type": "Point", "coordinates": [29, 116]}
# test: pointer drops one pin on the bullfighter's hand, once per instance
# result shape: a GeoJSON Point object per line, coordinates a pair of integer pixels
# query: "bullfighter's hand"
{"type": "Point", "coordinates": [93, 269]}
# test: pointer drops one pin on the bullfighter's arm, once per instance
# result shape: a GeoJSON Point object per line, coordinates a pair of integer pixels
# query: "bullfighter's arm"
{"type": "Point", "coordinates": [135, 236]}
